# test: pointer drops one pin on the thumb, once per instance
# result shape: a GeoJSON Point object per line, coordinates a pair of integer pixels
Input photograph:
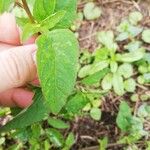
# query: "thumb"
{"type": "Point", "coordinates": [17, 67]}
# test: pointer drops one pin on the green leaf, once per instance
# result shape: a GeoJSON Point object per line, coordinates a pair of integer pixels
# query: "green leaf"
{"type": "Point", "coordinates": [101, 54]}
{"type": "Point", "coordinates": [29, 30]}
{"type": "Point", "coordinates": [91, 11]}
{"type": "Point", "coordinates": [146, 35]}
{"type": "Point", "coordinates": [133, 46]}
{"type": "Point", "coordinates": [147, 77]}
{"type": "Point", "coordinates": [130, 85]}
{"type": "Point", "coordinates": [130, 57]}
{"type": "Point", "coordinates": [55, 137]}
{"type": "Point", "coordinates": [117, 82]}
{"type": "Point", "coordinates": [113, 66]}
{"type": "Point", "coordinates": [96, 77]}
{"type": "Point", "coordinates": [70, 140]}
{"type": "Point", "coordinates": [49, 6]}
{"type": "Point", "coordinates": [96, 113]}
{"type": "Point", "coordinates": [124, 117]}
{"type": "Point", "coordinates": [5, 5]}
{"type": "Point", "coordinates": [39, 12]}
{"type": "Point", "coordinates": [98, 66]}
{"type": "Point", "coordinates": [57, 59]}
{"type": "Point", "coordinates": [70, 6]}
{"type": "Point", "coordinates": [43, 8]}
{"type": "Point", "coordinates": [135, 17]}
{"type": "Point", "coordinates": [126, 70]}
{"type": "Point", "coordinates": [103, 143]}
{"type": "Point", "coordinates": [124, 26]}
{"type": "Point", "coordinates": [107, 82]}
{"type": "Point", "coordinates": [134, 31]}
{"type": "Point", "coordinates": [122, 36]}
{"type": "Point", "coordinates": [76, 103]}
{"type": "Point", "coordinates": [57, 123]}
{"type": "Point", "coordinates": [52, 20]}
{"type": "Point", "coordinates": [84, 71]}
{"type": "Point", "coordinates": [107, 39]}
{"type": "Point", "coordinates": [34, 113]}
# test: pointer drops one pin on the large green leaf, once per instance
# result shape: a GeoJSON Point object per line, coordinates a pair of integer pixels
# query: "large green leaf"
{"type": "Point", "coordinates": [57, 60]}
{"type": "Point", "coordinates": [34, 113]}
{"type": "Point", "coordinates": [70, 7]}
{"type": "Point", "coordinates": [4, 5]}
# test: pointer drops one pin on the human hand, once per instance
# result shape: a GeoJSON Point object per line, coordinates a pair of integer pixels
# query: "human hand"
{"type": "Point", "coordinates": [17, 65]}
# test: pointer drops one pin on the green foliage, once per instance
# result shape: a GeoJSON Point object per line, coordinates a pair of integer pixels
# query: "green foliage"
{"type": "Point", "coordinates": [96, 113]}
{"type": "Point", "coordinates": [103, 143]}
{"type": "Point", "coordinates": [124, 117]}
{"type": "Point", "coordinates": [36, 112]}
{"type": "Point", "coordinates": [57, 123]}
{"type": "Point", "coordinates": [5, 5]}
{"type": "Point", "coordinates": [146, 35]}
{"type": "Point", "coordinates": [76, 103]}
{"type": "Point", "coordinates": [91, 11]}
{"type": "Point", "coordinates": [53, 50]}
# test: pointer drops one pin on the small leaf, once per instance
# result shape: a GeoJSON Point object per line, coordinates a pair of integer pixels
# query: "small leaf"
{"type": "Point", "coordinates": [130, 57]}
{"type": "Point", "coordinates": [5, 5]}
{"type": "Point", "coordinates": [29, 30]}
{"type": "Point", "coordinates": [84, 71]}
{"type": "Point", "coordinates": [126, 70]}
{"type": "Point", "coordinates": [117, 82]}
{"type": "Point", "coordinates": [98, 66]}
{"type": "Point", "coordinates": [34, 113]}
{"type": "Point", "coordinates": [133, 46]}
{"type": "Point", "coordinates": [113, 66]}
{"type": "Point", "coordinates": [123, 26]}
{"type": "Point", "coordinates": [96, 77]}
{"type": "Point", "coordinates": [96, 113]}
{"type": "Point", "coordinates": [76, 103]}
{"type": "Point", "coordinates": [147, 77]}
{"type": "Point", "coordinates": [130, 85]}
{"type": "Point", "coordinates": [57, 59]}
{"type": "Point", "coordinates": [122, 36]}
{"type": "Point", "coordinates": [146, 35]}
{"type": "Point", "coordinates": [107, 82]}
{"type": "Point", "coordinates": [56, 137]}
{"type": "Point", "coordinates": [52, 20]}
{"type": "Point", "coordinates": [135, 17]}
{"type": "Point", "coordinates": [57, 123]}
{"type": "Point", "coordinates": [134, 31]}
{"type": "Point", "coordinates": [70, 140]}
{"type": "Point", "coordinates": [91, 11]}
{"type": "Point", "coordinates": [101, 54]}
{"type": "Point", "coordinates": [124, 117]}
{"type": "Point", "coordinates": [103, 143]}
{"type": "Point", "coordinates": [107, 39]}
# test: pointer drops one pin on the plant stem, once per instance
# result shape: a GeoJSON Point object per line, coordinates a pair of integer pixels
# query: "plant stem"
{"type": "Point", "coordinates": [26, 8]}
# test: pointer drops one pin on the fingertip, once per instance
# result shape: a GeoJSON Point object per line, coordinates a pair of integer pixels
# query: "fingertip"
{"type": "Point", "coordinates": [22, 98]}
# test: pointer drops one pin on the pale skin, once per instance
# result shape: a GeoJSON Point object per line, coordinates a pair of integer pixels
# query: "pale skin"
{"type": "Point", "coordinates": [17, 66]}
